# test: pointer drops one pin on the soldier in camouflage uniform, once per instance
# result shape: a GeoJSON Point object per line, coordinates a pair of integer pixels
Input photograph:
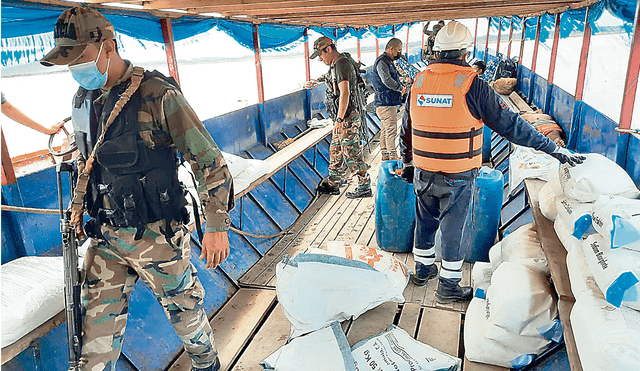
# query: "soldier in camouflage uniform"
{"type": "Point", "coordinates": [343, 103]}
{"type": "Point", "coordinates": [142, 237]}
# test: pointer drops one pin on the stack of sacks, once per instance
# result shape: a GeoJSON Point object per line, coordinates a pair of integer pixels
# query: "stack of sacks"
{"type": "Point", "coordinates": [320, 288]}
{"type": "Point", "coordinates": [598, 222]}
{"type": "Point", "coordinates": [513, 315]}
{"type": "Point", "coordinates": [516, 321]}
{"type": "Point", "coordinates": [522, 246]}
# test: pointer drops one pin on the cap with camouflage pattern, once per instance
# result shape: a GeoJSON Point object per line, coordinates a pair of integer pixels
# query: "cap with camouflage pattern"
{"type": "Point", "coordinates": [76, 28]}
{"type": "Point", "coordinates": [319, 46]}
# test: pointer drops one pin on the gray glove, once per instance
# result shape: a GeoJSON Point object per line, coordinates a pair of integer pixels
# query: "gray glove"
{"type": "Point", "coordinates": [566, 157]}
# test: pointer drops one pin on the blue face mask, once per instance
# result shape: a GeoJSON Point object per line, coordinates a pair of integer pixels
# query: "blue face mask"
{"type": "Point", "coordinates": [88, 75]}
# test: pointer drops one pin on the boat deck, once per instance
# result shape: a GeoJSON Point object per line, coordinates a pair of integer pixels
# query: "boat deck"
{"type": "Point", "coordinates": [252, 325]}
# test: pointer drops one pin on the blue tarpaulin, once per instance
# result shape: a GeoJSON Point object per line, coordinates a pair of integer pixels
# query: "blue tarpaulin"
{"type": "Point", "coordinates": [27, 27]}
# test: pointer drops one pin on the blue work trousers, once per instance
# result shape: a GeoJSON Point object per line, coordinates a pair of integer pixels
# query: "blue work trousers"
{"type": "Point", "coordinates": [442, 200]}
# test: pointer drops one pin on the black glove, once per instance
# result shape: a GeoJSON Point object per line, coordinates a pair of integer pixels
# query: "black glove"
{"type": "Point", "coordinates": [566, 157]}
{"type": "Point", "coordinates": [407, 173]}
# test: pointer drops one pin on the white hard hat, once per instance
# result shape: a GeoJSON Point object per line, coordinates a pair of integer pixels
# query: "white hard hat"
{"type": "Point", "coordinates": [453, 36]}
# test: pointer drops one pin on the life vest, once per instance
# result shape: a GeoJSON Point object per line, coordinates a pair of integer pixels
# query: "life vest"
{"type": "Point", "coordinates": [131, 184]}
{"type": "Point", "coordinates": [384, 95]}
{"type": "Point", "coordinates": [445, 136]}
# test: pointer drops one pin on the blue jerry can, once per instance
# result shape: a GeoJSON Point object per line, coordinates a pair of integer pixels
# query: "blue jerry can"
{"type": "Point", "coordinates": [481, 226]}
{"type": "Point", "coordinates": [395, 209]}
{"type": "Point", "coordinates": [486, 143]}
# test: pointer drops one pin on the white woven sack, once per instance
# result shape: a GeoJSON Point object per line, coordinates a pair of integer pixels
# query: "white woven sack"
{"type": "Point", "coordinates": [607, 338]}
{"type": "Point", "coordinates": [596, 176]}
{"type": "Point", "coordinates": [547, 201]}
{"type": "Point", "coordinates": [617, 219]}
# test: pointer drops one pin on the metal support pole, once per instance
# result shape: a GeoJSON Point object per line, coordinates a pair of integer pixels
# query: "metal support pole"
{"type": "Point", "coordinates": [169, 48]}
{"type": "Point", "coordinates": [535, 46]}
{"type": "Point", "coordinates": [377, 47]}
{"type": "Point", "coordinates": [406, 49]}
{"type": "Point", "coordinates": [307, 67]}
{"type": "Point", "coordinates": [524, 34]}
{"type": "Point", "coordinates": [510, 37]}
{"type": "Point", "coordinates": [475, 39]}
{"type": "Point", "coordinates": [256, 49]}
{"type": "Point", "coordinates": [359, 52]}
{"type": "Point", "coordinates": [554, 50]}
{"type": "Point", "coordinates": [262, 135]}
{"type": "Point", "coordinates": [584, 53]}
{"type": "Point", "coordinates": [631, 82]}
{"type": "Point", "coordinates": [486, 45]}
{"type": "Point", "coordinates": [499, 35]}
{"type": "Point", "coordinates": [8, 173]}
{"type": "Point", "coordinates": [422, 42]}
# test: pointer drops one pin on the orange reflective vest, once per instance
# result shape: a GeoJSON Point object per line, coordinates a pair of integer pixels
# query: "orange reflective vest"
{"type": "Point", "coordinates": [445, 136]}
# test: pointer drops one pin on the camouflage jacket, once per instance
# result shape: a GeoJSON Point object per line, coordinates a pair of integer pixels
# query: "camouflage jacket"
{"type": "Point", "coordinates": [170, 113]}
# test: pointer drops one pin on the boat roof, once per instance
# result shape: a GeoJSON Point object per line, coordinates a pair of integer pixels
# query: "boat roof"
{"type": "Point", "coordinates": [343, 13]}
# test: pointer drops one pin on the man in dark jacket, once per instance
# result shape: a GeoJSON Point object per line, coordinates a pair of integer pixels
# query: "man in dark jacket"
{"type": "Point", "coordinates": [441, 135]}
{"type": "Point", "coordinates": [389, 91]}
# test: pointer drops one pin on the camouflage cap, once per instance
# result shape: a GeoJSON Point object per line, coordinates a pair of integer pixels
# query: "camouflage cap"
{"type": "Point", "coordinates": [319, 46]}
{"type": "Point", "coordinates": [76, 28]}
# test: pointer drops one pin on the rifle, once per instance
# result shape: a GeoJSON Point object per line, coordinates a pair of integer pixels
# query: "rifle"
{"type": "Point", "coordinates": [71, 272]}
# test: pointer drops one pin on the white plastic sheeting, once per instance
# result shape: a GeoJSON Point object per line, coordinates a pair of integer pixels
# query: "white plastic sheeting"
{"type": "Point", "coordinates": [596, 176]}
{"type": "Point", "coordinates": [607, 338]}
{"type": "Point", "coordinates": [32, 293]}
{"type": "Point", "coordinates": [394, 350]}
{"type": "Point", "coordinates": [325, 349]}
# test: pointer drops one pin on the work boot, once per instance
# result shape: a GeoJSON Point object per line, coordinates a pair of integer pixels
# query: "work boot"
{"type": "Point", "coordinates": [385, 157]}
{"type": "Point", "coordinates": [449, 290]}
{"type": "Point", "coordinates": [360, 192]}
{"type": "Point", "coordinates": [424, 273]}
{"type": "Point", "coordinates": [325, 187]}
{"type": "Point", "coordinates": [214, 367]}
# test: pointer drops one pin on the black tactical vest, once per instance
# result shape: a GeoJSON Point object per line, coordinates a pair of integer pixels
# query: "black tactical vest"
{"type": "Point", "coordinates": [131, 184]}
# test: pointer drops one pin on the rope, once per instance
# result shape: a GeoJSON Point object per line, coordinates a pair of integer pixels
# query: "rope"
{"type": "Point", "coordinates": [30, 210]}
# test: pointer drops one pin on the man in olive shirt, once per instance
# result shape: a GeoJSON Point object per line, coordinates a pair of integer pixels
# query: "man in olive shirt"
{"type": "Point", "coordinates": [344, 107]}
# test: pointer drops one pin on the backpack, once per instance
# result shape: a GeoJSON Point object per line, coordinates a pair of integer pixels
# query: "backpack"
{"type": "Point", "coordinates": [506, 68]}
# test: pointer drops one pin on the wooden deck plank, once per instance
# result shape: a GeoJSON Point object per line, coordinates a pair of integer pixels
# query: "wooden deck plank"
{"type": "Point", "coordinates": [556, 253]}
{"type": "Point", "coordinates": [564, 311]}
{"type": "Point", "coordinates": [476, 366]}
{"type": "Point", "coordinates": [304, 240]}
{"type": "Point", "coordinates": [234, 325]}
{"type": "Point", "coordinates": [372, 322]}
{"type": "Point", "coordinates": [273, 334]}
{"type": "Point", "coordinates": [441, 329]}
{"type": "Point", "coordinates": [368, 233]}
{"type": "Point", "coordinates": [409, 318]}
{"type": "Point", "coordinates": [274, 255]}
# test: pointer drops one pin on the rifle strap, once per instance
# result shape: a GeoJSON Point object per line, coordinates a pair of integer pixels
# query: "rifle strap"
{"type": "Point", "coordinates": [83, 178]}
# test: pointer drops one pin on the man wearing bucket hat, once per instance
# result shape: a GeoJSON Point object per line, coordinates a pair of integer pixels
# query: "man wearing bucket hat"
{"type": "Point", "coordinates": [345, 105]}
{"type": "Point", "coordinates": [132, 122]}
{"type": "Point", "coordinates": [441, 135]}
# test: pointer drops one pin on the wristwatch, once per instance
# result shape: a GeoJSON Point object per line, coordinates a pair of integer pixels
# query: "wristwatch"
{"type": "Point", "coordinates": [339, 119]}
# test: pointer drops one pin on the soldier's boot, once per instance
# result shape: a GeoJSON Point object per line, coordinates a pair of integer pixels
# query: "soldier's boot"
{"type": "Point", "coordinates": [326, 188]}
{"type": "Point", "coordinates": [449, 290]}
{"type": "Point", "coordinates": [424, 273]}
{"type": "Point", "coordinates": [214, 367]}
{"type": "Point", "coordinates": [360, 192]}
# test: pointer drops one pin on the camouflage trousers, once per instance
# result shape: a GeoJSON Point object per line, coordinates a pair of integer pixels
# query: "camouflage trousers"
{"type": "Point", "coordinates": [112, 267]}
{"type": "Point", "coordinates": [346, 152]}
